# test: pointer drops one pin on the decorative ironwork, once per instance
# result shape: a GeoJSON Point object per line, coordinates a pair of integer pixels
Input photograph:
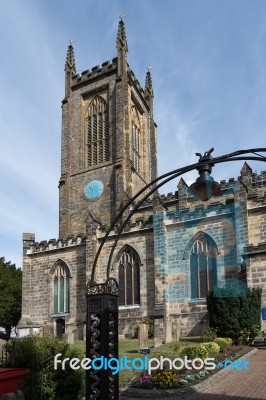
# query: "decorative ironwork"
{"type": "Point", "coordinates": [109, 287]}
{"type": "Point", "coordinates": [102, 339]}
{"type": "Point", "coordinates": [95, 344]}
{"type": "Point", "coordinates": [102, 299]}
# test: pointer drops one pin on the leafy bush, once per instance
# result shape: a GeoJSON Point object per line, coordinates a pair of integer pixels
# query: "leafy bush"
{"type": "Point", "coordinates": [209, 334]}
{"type": "Point", "coordinates": [231, 311]}
{"type": "Point", "coordinates": [44, 382]}
{"type": "Point", "coordinates": [194, 352]}
{"type": "Point", "coordinates": [212, 348]}
{"type": "Point", "coordinates": [248, 335]}
{"type": "Point", "coordinates": [224, 343]}
{"type": "Point", "coordinates": [176, 347]}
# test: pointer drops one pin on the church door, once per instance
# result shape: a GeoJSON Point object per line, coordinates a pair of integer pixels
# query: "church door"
{"type": "Point", "coordinates": [60, 327]}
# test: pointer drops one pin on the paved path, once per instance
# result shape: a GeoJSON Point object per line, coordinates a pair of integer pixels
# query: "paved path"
{"type": "Point", "coordinates": [233, 385]}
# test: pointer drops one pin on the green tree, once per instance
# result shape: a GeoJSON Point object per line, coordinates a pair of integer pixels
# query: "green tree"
{"type": "Point", "coordinates": [10, 297]}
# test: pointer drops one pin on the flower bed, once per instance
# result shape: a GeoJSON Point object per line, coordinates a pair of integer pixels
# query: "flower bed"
{"type": "Point", "coordinates": [165, 379]}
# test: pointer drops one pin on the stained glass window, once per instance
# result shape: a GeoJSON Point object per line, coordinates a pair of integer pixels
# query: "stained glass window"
{"type": "Point", "coordinates": [129, 278]}
{"type": "Point", "coordinates": [203, 267]}
{"type": "Point", "coordinates": [61, 279]}
{"type": "Point", "coordinates": [98, 132]}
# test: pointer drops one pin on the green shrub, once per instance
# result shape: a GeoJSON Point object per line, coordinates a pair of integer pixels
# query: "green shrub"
{"type": "Point", "coordinates": [194, 352]}
{"type": "Point", "coordinates": [224, 343]}
{"type": "Point", "coordinates": [248, 335]}
{"type": "Point", "coordinates": [209, 334]}
{"type": "Point", "coordinates": [44, 382]}
{"type": "Point", "coordinates": [231, 311]}
{"type": "Point", "coordinates": [176, 347]}
{"type": "Point", "coordinates": [212, 348]}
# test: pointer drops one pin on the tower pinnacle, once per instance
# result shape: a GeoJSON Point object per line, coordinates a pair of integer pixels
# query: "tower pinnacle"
{"type": "Point", "coordinates": [70, 59]}
{"type": "Point", "coordinates": [121, 35]}
{"type": "Point", "coordinates": [148, 84]}
{"type": "Point", "coordinates": [70, 67]}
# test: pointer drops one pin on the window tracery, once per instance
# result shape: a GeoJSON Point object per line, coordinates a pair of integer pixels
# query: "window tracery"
{"type": "Point", "coordinates": [129, 278]}
{"type": "Point", "coordinates": [136, 140]}
{"type": "Point", "coordinates": [98, 132]}
{"type": "Point", "coordinates": [203, 266]}
{"type": "Point", "coordinates": [61, 286]}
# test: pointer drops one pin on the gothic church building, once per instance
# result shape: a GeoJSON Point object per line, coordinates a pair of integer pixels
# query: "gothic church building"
{"type": "Point", "coordinates": [172, 251]}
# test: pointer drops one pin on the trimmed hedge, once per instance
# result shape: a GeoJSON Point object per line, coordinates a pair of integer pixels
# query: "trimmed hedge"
{"type": "Point", "coordinates": [231, 312]}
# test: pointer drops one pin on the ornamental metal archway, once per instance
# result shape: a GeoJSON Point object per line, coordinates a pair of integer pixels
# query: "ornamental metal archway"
{"type": "Point", "coordinates": [102, 298]}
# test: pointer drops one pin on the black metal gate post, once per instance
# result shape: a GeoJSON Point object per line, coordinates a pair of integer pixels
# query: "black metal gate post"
{"type": "Point", "coordinates": [102, 340]}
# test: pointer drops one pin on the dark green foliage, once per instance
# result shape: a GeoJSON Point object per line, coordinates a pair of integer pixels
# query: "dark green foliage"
{"type": "Point", "coordinates": [44, 382]}
{"type": "Point", "coordinates": [10, 299]}
{"type": "Point", "coordinates": [209, 334]}
{"type": "Point", "coordinates": [248, 335]}
{"type": "Point", "coordinates": [230, 312]}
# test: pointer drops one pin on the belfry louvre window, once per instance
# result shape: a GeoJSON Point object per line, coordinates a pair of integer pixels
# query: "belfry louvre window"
{"type": "Point", "coordinates": [136, 138]}
{"type": "Point", "coordinates": [61, 280]}
{"type": "Point", "coordinates": [136, 147]}
{"type": "Point", "coordinates": [203, 267]}
{"type": "Point", "coordinates": [98, 132]}
{"type": "Point", "coordinates": [129, 278]}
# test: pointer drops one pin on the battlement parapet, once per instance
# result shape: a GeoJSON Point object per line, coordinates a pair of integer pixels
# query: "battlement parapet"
{"type": "Point", "coordinates": [257, 189]}
{"type": "Point", "coordinates": [259, 179]}
{"type": "Point", "coordinates": [169, 197]}
{"type": "Point", "coordinates": [258, 185]}
{"type": "Point", "coordinates": [55, 244]}
{"type": "Point", "coordinates": [95, 72]}
{"type": "Point", "coordinates": [106, 67]}
{"type": "Point", "coordinates": [184, 192]}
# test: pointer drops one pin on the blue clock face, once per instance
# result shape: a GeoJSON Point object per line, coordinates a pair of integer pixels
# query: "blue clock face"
{"type": "Point", "coordinates": [93, 190]}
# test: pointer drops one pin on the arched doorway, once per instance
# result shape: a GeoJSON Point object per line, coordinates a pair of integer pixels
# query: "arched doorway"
{"type": "Point", "coordinates": [60, 327]}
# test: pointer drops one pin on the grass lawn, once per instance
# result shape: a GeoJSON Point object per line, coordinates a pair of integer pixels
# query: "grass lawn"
{"type": "Point", "coordinates": [131, 346]}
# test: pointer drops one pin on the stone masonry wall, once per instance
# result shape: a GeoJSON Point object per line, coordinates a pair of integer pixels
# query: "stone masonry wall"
{"type": "Point", "coordinates": [141, 240]}
{"type": "Point", "coordinates": [37, 305]}
{"type": "Point", "coordinates": [224, 220]}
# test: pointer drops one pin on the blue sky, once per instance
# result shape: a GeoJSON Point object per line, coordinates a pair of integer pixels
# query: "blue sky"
{"type": "Point", "coordinates": [209, 80]}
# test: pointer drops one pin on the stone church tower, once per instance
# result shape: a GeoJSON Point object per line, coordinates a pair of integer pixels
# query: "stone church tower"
{"type": "Point", "coordinates": [108, 154]}
{"type": "Point", "coordinates": [108, 135]}
{"type": "Point", "coordinates": [173, 250]}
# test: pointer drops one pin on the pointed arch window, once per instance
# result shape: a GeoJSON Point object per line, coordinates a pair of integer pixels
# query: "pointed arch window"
{"type": "Point", "coordinates": [98, 141]}
{"type": "Point", "coordinates": [61, 286]}
{"type": "Point", "coordinates": [135, 140]}
{"type": "Point", "coordinates": [129, 278]}
{"type": "Point", "coordinates": [203, 266]}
